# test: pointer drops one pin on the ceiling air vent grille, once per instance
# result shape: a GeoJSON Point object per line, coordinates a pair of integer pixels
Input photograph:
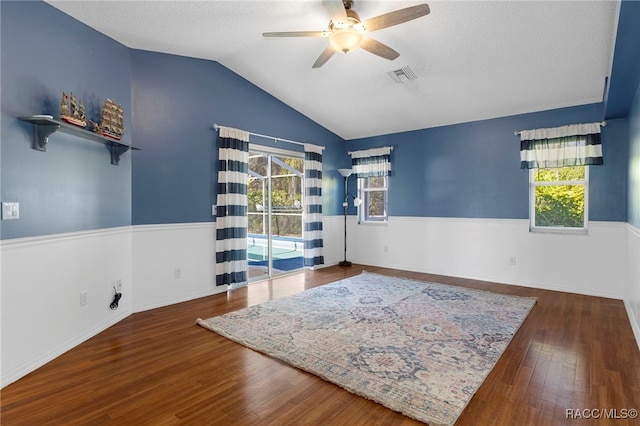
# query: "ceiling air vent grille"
{"type": "Point", "coordinates": [402, 75]}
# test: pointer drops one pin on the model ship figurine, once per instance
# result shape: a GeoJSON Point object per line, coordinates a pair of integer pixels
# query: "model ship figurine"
{"type": "Point", "coordinates": [72, 111]}
{"type": "Point", "coordinates": [111, 122]}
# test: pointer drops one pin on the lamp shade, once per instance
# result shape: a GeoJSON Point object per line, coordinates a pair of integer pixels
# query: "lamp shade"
{"type": "Point", "coordinates": [345, 40]}
{"type": "Point", "coordinates": [345, 172]}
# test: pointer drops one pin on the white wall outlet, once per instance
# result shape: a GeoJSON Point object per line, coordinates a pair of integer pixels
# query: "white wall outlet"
{"type": "Point", "coordinates": [10, 210]}
{"type": "Point", "coordinates": [214, 210]}
{"type": "Point", "coordinates": [83, 298]}
{"type": "Point", "coordinates": [512, 261]}
{"type": "Point", "coordinates": [119, 285]}
{"type": "Point", "coordinates": [177, 273]}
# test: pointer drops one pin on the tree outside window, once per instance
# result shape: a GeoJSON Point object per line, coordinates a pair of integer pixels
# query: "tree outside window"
{"type": "Point", "coordinates": [559, 198]}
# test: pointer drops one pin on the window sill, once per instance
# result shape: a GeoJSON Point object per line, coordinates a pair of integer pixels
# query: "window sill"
{"type": "Point", "coordinates": [373, 223]}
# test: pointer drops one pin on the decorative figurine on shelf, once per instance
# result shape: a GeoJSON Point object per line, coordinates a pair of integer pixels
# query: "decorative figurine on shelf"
{"type": "Point", "coordinates": [111, 121]}
{"type": "Point", "coordinates": [64, 105]}
{"type": "Point", "coordinates": [72, 111]}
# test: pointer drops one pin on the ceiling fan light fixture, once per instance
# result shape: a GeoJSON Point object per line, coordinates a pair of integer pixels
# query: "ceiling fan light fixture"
{"type": "Point", "coordinates": [345, 40]}
{"type": "Point", "coordinates": [346, 31]}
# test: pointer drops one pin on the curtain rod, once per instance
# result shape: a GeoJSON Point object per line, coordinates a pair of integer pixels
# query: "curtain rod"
{"type": "Point", "coordinates": [602, 124]}
{"type": "Point", "coordinates": [275, 139]}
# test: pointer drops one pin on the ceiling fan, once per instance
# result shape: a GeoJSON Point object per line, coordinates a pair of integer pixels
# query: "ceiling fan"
{"type": "Point", "coordinates": [347, 32]}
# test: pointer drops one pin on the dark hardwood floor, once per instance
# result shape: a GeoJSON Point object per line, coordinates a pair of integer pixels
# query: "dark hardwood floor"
{"type": "Point", "coordinates": [159, 367]}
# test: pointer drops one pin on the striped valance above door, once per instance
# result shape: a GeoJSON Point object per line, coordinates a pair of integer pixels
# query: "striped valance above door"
{"type": "Point", "coordinates": [573, 145]}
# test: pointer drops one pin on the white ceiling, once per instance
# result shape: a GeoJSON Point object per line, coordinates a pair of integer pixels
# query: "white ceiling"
{"type": "Point", "coordinates": [474, 60]}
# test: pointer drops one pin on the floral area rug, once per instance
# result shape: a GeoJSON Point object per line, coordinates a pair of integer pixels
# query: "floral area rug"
{"type": "Point", "coordinates": [419, 348]}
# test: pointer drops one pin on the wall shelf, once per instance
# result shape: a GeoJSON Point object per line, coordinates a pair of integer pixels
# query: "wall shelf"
{"type": "Point", "coordinates": [44, 126]}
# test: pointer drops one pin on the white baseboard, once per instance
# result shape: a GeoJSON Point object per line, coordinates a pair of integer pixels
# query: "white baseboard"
{"type": "Point", "coordinates": [178, 299]}
{"type": "Point", "coordinates": [635, 324]}
{"type": "Point", "coordinates": [30, 365]}
{"type": "Point", "coordinates": [632, 290]}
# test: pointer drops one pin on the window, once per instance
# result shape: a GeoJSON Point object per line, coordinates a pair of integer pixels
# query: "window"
{"type": "Point", "coordinates": [558, 160]}
{"type": "Point", "coordinates": [373, 192]}
{"type": "Point", "coordinates": [372, 167]}
{"type": "Point", "coordinates": [559, 198]}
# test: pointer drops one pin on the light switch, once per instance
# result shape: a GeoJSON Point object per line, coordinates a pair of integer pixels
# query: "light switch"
{"type": "Point", "coordinates": [10, 210]}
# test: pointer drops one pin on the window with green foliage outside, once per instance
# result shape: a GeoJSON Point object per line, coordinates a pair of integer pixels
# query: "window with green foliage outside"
{"type": "Point", "coordinates": [373, 191]}
{"type": "Point", "coordinates": [286, 195]}
{"type": "Point", "coordinates": [559, 197]}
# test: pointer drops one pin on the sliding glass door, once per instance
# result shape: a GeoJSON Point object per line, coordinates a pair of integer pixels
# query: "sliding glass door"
{"type": "Point", "coordinates": [275, 244]}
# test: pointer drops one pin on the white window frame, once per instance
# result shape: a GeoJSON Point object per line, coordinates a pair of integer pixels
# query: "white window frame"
{"type": "Point", "coordinates": [557, 229]}
{"type": "Point", "coordinates": [363, 208]}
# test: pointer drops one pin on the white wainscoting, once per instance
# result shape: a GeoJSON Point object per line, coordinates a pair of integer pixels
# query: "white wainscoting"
{"type": "Point", "coordinates": [593, 264]}
{"type": "Point", "coordinates": [632, 291]}
{"type": "Point", "coordinates": [333, 235]}
{"type": "Point", "coordinates": [160, 250]}
{"type": "Point", "coordinates": [42, 278]}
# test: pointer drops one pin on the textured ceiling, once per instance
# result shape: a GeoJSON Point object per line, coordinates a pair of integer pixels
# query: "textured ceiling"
{"type": "Point", "coordinates": [474, 60]}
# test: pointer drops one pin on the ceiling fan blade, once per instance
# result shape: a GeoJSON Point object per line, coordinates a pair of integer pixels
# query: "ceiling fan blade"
{"type": "Point", "coordinates": [396, 17]}
{"type": "Point", "coordinates": [324, 57]}
{"type": "Point", "coordinates": [297, 34]}
{"type": "Point", "coordinates": [335, 9]}
{"type": "Point", "coordinates": [377, 48]}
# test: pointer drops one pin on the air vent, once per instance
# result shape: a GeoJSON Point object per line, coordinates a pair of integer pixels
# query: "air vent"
{"type": "Point", "coordinates": [402, 75]}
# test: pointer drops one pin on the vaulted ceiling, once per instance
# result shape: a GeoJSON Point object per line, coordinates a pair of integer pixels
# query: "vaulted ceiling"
{"type": "Point", "coordinates": [473, 60]}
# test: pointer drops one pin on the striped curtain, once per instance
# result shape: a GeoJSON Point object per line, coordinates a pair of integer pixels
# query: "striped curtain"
{"type": "Point", "coordinates": [313, 243]}
{"type": "Point", "coordinates": [231, 218]}
{"type": "Point", "coordinates": [371, 162]}
{"type": "Point", "coordinates": [574, 145]}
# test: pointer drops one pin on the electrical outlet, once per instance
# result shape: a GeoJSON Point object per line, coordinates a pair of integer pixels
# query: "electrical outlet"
{"type": "Point", "coordinates": [83, 298]}
{"type": "Point", "coordinates": [119, 285]}
{"type": "Point", "coordinates": [177, 273]}
{"type": "Point", "coordinates": [214, 210]}
{"type": "Point", "coordinates": [512, 261]}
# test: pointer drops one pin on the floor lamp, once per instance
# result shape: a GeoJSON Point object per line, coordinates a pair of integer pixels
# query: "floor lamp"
{"type": "Point", "coordinates": [345, 174]}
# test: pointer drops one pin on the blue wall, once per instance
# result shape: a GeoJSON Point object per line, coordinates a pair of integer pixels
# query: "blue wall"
{"type": "Point", "coordinates": [473, 170]}
{"type": "Point", "coordinates": [625, 72]}
{"type": "Point", "coordinates": [633, 211]}
{"type": "Point", "coordinates": [176, 102]}
{"type": "Point", "coordinates": [73, 185]}
{"type": "Point", "coordinates": [465, 170]}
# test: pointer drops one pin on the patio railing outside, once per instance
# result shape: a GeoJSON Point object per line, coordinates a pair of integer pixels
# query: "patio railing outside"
{"type": "Point", "coordinates": [286, 222]}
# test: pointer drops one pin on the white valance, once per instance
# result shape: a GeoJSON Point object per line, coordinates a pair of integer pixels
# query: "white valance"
{"type": "Point", "coordinates": [560, 132]}
{"type": "Point", "coordinates": [373, 152]}
{"type": "Point", "coordinates": [371, 162]}
{"type": "Point", "coordinates": [566, 146]}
